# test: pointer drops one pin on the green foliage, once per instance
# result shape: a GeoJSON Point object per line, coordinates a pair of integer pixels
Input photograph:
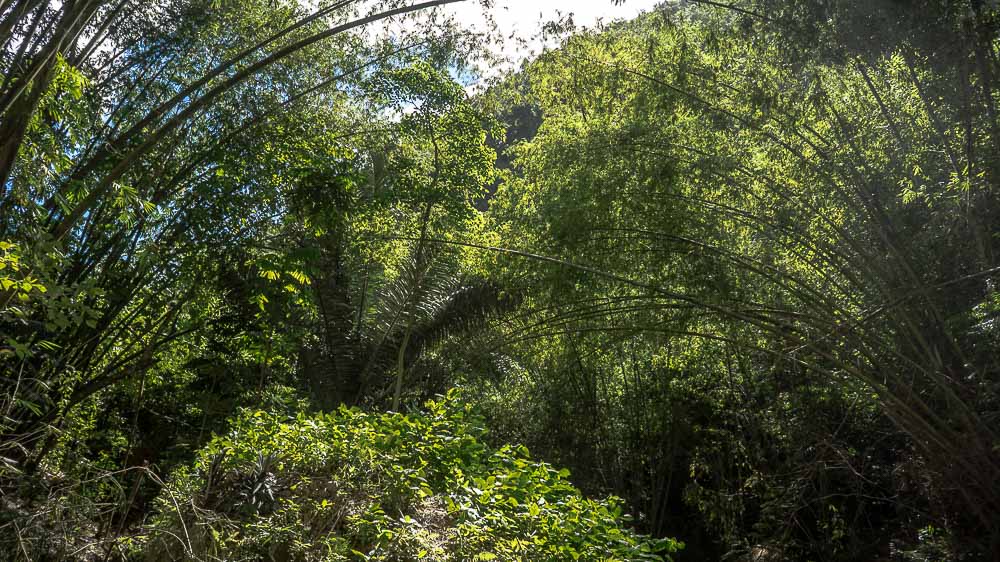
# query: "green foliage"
{"type": "Point", "coordinates": [359, 486]}
{"type": "Point", "coordinates": [15, 286]}
{"type": "Point", "coordinates": [756, 261]}
{"type": "Point", "coordinates": [739, 268]}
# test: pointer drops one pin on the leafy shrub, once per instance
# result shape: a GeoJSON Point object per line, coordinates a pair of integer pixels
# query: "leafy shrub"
{"type": "Point", "coordinates": [360, 486]}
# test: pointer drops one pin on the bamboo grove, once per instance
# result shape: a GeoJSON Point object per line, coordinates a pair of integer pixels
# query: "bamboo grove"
{"type": "Point", "coordinates": [277, 284]}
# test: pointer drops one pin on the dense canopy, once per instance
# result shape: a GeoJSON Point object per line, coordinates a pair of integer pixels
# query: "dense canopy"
{"type": "Point", "coordinates": [286, 280]}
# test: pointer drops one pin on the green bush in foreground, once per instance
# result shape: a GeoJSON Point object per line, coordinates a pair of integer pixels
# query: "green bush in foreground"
{"type": "Point", "coordinates": [360, 486]}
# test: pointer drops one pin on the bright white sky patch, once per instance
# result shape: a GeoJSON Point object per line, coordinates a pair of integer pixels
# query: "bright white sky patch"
{"type": "Point", "coordinates": [524, 19]}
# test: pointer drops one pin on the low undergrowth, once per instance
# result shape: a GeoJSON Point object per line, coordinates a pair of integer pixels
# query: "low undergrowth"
{"type": "Point", "coordinates": [359, 486]}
